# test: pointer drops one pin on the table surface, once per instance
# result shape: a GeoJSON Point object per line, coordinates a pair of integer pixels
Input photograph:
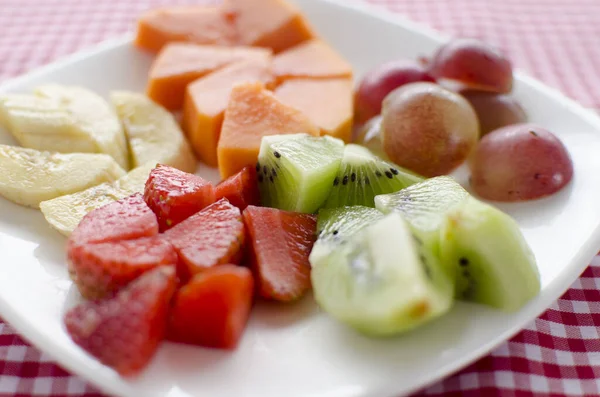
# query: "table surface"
{"type": "Point", "coordinates": [557, 41]}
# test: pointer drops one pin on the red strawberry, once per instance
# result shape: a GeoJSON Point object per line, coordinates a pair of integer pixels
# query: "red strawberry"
{"type": "Point", "coordinates": [123, 332]}
{"type": "Point", "coordinates": [280, 243]}
{"type": "Point", "coordinates": [126, 219]}
{"type": "Point", "coordinates": [101, 269]}
{"type": "Point", "coordinates": [240, 189]}
{"type": "Point", "coordinates": [213, 236]}
{"type": "Point", "coordinates": [213, 308]}
{"type": "Point", "coordinates": [175, 195]}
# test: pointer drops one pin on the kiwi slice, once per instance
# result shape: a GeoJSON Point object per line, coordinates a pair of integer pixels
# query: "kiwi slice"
{"type": "Point", "coordinates": [362, 176]}
{"type": "Point", "coordinates": [376, 278]}
{"type": "Point", "coordinates": [481, 248]}
{"type": "Point", "coordinates": [295, 172]}
{"type": "Point", "coordinates": [494, 265]}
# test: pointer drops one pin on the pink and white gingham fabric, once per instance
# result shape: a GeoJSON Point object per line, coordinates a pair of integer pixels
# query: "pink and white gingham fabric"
{"type": "Point", "coordinates": [557, 41]}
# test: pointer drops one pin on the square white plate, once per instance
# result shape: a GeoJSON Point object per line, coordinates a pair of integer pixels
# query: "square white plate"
{"type": "Point", "coordinates": [298, 351]}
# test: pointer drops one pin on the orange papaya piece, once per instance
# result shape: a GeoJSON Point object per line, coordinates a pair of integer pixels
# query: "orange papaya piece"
{"type": "Point", "coordinates": [328, 103]}
{"type": "Point", "coordinates": [206, 100]}
{"type": "Point", "coordinates": [254, 112]}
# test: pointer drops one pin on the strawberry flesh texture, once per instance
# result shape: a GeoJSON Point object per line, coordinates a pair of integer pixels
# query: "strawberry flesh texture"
{"type": "Point", "coordinates": [279, 246]}
{"type": "Point", "coordinates": [175, 195]}
{"type": "Point", "coordinates": [124, 332]}
{"type": "Point", "coordinates": [240, 189]}
{"type": "Point", "coordinates": [126, 219]}
{"type": "Point", "coordinates": [101, 269]}
{"type": "Point", "coordinates": [213, 308]}
{"type": "Point", "coordinates": [213, 236]}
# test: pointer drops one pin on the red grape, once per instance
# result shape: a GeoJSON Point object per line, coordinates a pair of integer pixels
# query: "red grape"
{"type": "Point", "coordinates": [474, 64]}
{"type": "Point", "coordinates": [428, 129]}
{"type": "Point", "coordinates": [382, 80]}
{"type": "Point", "coordinates": [370, 137]}
{"type": "Point", "coordinates": [520, 162]}
{"type": "Point", "coordinates": [494, 110]}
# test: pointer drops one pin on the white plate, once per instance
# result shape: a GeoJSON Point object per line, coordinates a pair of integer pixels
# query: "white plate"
{"type": "Point", "coordinates": [298, 351]}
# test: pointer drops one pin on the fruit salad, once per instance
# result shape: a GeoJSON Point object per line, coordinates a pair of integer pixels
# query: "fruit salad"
{"type": "Point", "coordinates": [330, 189]}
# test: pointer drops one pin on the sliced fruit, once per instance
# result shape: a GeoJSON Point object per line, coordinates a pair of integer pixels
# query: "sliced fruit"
{"type": "Point", "coordinates": [252, 113]}
{"type": "Point", "coordinates": [213, 236]}
{"type": "Point", "coordinates": [296, 172]}
{"type": "Point", "coordinates": [479, 246]}
{"type": "Point", "coordinates": [493, 263]}
{"type": "Point", "coordinates": [178, 64]}
{"type": "Point", "coordinates": [274, 24]}
{"type": "Point", "coordinates": [362, 176]}
{"type": "Point", "coordinates": [381, 282]}
{"type": "Point", "coordinates": [126, 219]}
{"type": "Point", "coordinates": [152, 131]}
{"type": "Point", "coordinates": [206, 100]}
{"type": "Point", "coordinates": [65, 212]}
{"type": "Point", "coordinates": [335, 226]}
{"type": "Point", "coordinates": [197, 24]}
{"type": "Point", "coordinates": [328, 103]}
{"type": "Point", "coordinates": [175, 195]}
{"type": "Point", "coordinates": [99, 270]}
{"type": "Point", "coordinates": [213, 308]}
{"type": "Point", "coordinates": [29, 176]}
{"type": "Point", "coordinates": [240, 189]}
{"type": "Point", "coordinates": [312, 59]}
{"type": "Point", "coordinates": [65, 119]}
{"type": "Point", "coordinates": [425, 207]}
{"type": "Point", "coordinates": [124, 332]}
{"type": "Point", "coordinates": [280, 243]}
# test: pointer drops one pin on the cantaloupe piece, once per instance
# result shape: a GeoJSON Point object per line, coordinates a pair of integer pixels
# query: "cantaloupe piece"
{"type": "Point", "coordinates": [310, 59]}
{"type": "Point", "coordinates": [178, 64]}
{"type": "Point", "coordinates": [328, 103]}
{"type": "Point", "coordinates": [197, 24]}
{"type": "Point", "coordinates": [275, 24]}
{"type": "Point", "coordinates": [206, 100]}
{"type": "Point", "coordinates": [254, 112]}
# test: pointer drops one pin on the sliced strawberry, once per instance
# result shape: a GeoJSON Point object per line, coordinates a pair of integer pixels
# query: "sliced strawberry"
{"type": "Point", "coordinates": [213, 236]}
{"type": "Point", "coordinates": [175, 195]}
{"type": "Point", "coordinates": [240, 189]}
{"type": "Point", "coordinates": [101, 269]}
{"type": "Point", "coordinates": [126, 219]}
{"type": "Point", "coordinates": [123, 332]}
{"type": "Point", "coordinates": [213, 308]}
{"type": "Point", "coordinates": [279, 246]}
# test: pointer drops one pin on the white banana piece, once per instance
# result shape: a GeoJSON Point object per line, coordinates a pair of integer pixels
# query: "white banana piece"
{"type": "Point", "coordinates": [64, 213]}
{"type": "Point", "coordinates": [29, 176]}
{"type": "Point", "coordinates": [152, 131]}
{"type": "Point", "coordinates": [65, 119]}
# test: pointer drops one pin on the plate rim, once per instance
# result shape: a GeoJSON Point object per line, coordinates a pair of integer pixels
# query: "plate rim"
{"type": "Point", "coordinates": [553, 290]}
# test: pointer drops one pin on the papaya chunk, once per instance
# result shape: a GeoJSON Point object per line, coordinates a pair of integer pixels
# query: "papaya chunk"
{"type": "Point", "coordinates": [178, 64]}
{"type": "Point", "coordinates": [274, 24]}
{"type": "Point", "coordinates": [328, 103]}
{"type": "Point", "coordinates": [254, 112]}
{"type": "Point", "coordinates": [197, 24]}
{"type": "Point", "coordinates": [310, 59]}
{"type": "Point", "coordinates": [206, 100]}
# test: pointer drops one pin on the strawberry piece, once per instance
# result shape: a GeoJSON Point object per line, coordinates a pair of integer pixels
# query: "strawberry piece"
{"type": "Point", "coordinates": [280, 243]}
{"type": "Point", "coordinates": [126, 219]}
{"type": "Point", "coordinates": [213, 308]}
{"type": "Point", "coordinates": [213, 236]}
{"type": "Point", "coordinates": [101, 269]}
{"type": "Point", "coordinates": [240, 189]}
{"type": "Point", "coordinates": [124, 332]}
{"type": "Point", "coordinates": [175, 195]}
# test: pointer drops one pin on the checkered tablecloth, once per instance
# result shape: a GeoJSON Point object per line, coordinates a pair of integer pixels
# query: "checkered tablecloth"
{"type": "Point", "coordinates": [557, 41]}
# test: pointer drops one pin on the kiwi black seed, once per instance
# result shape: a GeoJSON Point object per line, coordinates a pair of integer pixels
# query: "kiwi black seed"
{"type": "Point", "coordinates": [389, 174]}
{"type": "Point", "coordinates": [265, 170]}
{"type": "Point", "coordinates": [335, 232]}
{"type": "Point", "coordinates": [271, 179]}
{"type": "Point", "coordinates": [273, 172]}
{"type": "Point", "coordinates": [345, 180]}
{"type": "Point", "coordinates": [260, 178]}
{"type": "Point", "coordinates": [379, 174]}
{"type": "Point", "coordinates": [277, 154]}
{"type": "Point", "coordinates": [336, 181]}
{"type": "Point", "coordinates": [394, 171]}
{"type": "Point", "coordinates": [353, 177]}
{"type": "Point", "coordinates": [463, 262]}
{"type": "Point", "coordinates": [257, 167]}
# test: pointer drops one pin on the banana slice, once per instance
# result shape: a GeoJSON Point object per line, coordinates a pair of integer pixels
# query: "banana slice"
{"type": "Point", "coordinates": [64, 213]}
{"type": "Point", "coordinates": [29, 176]}
{"type": "Point", "coordinates": [153, 133]}
{"type": "Point", "coordinates": [65, 119]}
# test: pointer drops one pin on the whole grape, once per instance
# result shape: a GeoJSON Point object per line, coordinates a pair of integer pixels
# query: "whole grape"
{"type": "Point", "coordinates": [494, 110]}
